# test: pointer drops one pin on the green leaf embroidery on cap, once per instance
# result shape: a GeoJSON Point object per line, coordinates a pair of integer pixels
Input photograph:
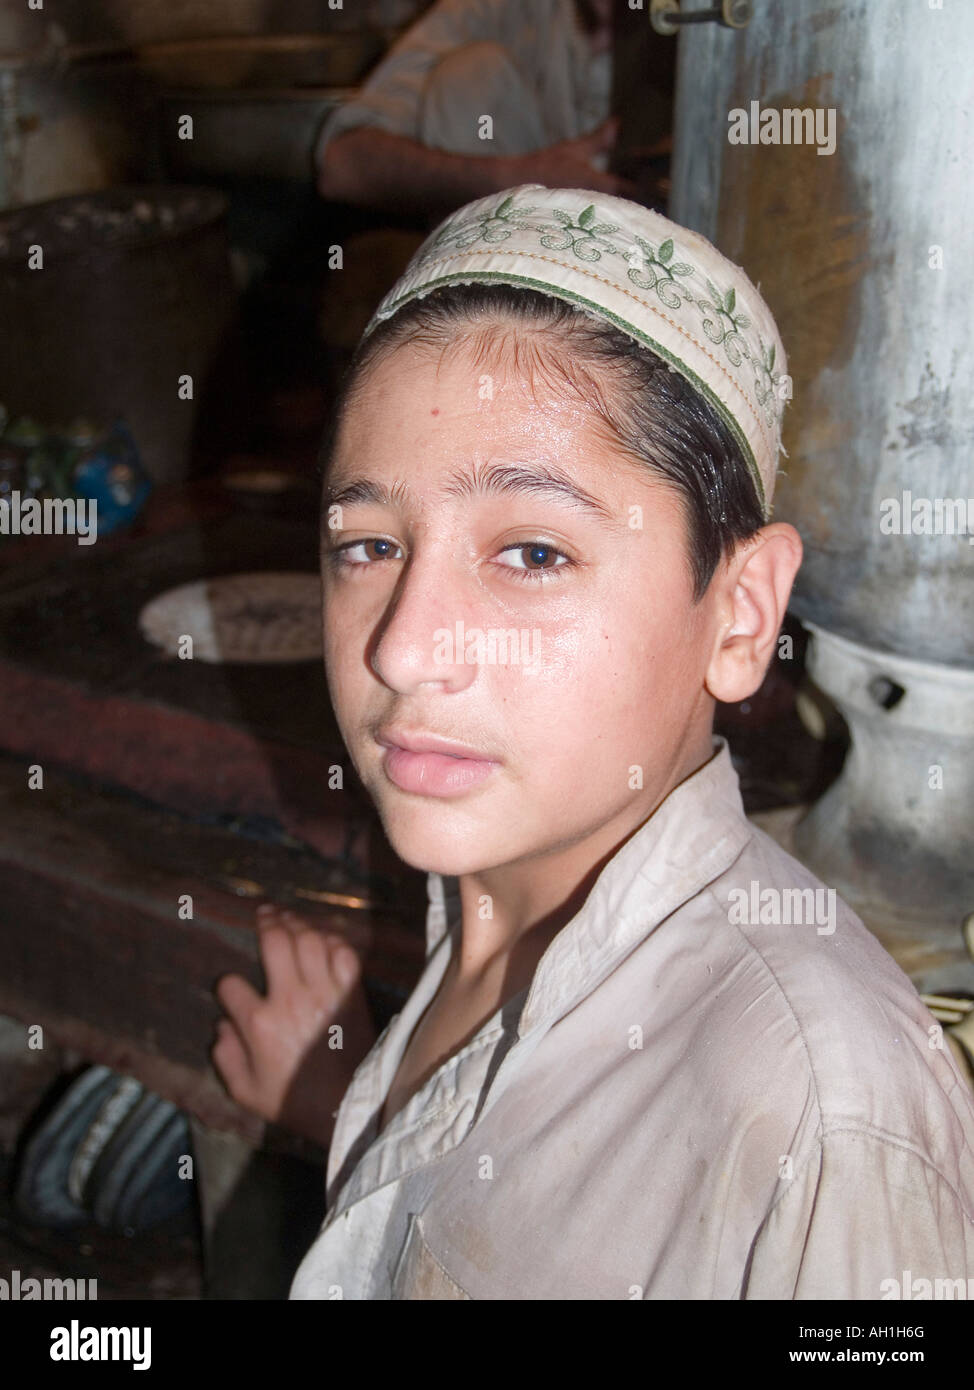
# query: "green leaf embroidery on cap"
{"type": "Point", "coordinates": [650, 270]}
{"type": "Point", "coordinates": [490, 226]}
{"type": "Point", "coordinates": [722, 325]}
{"type": "Point", "coordinates": [584, 237]}
{"type": "Point", "coordinates": [767, 381]}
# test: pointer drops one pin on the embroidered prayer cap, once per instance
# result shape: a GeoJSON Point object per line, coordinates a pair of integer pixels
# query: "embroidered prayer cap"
{"type": "Point", "coordinates": [664, 285]}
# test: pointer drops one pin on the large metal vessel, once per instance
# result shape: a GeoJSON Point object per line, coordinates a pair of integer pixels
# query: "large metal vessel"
{"type": "Point", "coordinates": [859, 238]}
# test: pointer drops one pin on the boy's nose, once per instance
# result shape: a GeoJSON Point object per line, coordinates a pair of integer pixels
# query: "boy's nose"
{"type": "Point", "coordinates": [420, 638]}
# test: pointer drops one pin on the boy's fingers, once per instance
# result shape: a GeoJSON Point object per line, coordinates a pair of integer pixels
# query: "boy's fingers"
{"type": "Point", "coordinates": [231, 1059]}
{"type": "Point", "coordinates": [345, 962]}
{"type": "Point", "coordinates": [279, 958]}
{"type": "Point", "coordinates": [293, 921]}
{"type": "Point", "coordinates": [270, 915]}
{"type": "Point", "coordinates": [313, 956]}
{"type": "Point", "coordinates": [239, 999]}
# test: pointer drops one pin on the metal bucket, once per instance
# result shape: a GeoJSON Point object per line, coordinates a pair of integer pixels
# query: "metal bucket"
{"type": "Point", "coordinates": [135, 293]}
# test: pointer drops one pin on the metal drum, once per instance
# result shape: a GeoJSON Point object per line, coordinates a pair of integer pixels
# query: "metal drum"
{"type": "Point", "coordinates": [851, 206]}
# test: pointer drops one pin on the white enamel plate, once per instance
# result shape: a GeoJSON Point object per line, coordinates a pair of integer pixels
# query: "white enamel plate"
{"type": "Point", "coordinates": [249, 618]}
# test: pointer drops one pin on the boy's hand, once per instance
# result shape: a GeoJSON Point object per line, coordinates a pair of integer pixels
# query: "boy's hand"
{"type": "Point", "coordinates": [272, 1052]}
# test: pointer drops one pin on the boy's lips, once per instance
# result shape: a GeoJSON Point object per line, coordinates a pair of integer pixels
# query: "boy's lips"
{"type": "Point", "coordinates": [430, 766]}
{"type": "Point", "coordinates": [429, 743]}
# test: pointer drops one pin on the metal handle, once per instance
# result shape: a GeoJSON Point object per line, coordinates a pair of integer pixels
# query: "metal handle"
{"type": "Point", "coordinates": [666, 16]}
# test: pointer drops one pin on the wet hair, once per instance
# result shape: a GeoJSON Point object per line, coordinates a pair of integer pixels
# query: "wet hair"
{"type": "Point", "coordinates": [638, 402]}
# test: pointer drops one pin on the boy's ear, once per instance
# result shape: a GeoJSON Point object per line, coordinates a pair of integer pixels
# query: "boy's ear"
{"type": "Point", "coordinates": [751, 592]}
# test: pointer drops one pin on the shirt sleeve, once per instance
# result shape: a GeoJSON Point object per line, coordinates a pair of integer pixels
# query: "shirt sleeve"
{"type": "Point", "coordinates": [391, 97]}
{"type": "Point", "coordinates": [867, 1217]}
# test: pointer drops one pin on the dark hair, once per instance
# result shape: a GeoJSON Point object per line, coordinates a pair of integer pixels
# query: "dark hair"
{"type": "Point", "coordinates": [648, 408]}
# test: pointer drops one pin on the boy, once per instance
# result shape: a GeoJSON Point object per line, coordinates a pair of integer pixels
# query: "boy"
{"type": "Point", "coordinates": [615, 1078]}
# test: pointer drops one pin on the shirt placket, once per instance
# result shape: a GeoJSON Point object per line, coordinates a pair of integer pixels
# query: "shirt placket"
{"type": "Point", "coordinates": [434, 1120]}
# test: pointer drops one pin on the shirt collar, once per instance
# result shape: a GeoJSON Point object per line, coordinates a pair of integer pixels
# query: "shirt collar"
{"type": "Point", "coordinates": [688, 841]}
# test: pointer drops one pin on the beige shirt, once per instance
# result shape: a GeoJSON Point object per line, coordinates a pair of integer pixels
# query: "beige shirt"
{"type": "Point", "coordinates": [571, 86]}
{"type": "Point", "coordinates": [692, 1103]}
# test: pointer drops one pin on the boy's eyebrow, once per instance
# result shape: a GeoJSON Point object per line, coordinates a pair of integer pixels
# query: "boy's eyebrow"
{"type": "Point", "coordinates": [497, 479]}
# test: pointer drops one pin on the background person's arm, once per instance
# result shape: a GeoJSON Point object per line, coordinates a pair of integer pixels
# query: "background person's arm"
{"type": "Point", "coordinates": [390, 101]}
{"type": "Point", "coordinates": [368, 167]}
{"type": "Point", "coordinates": [374, 168]}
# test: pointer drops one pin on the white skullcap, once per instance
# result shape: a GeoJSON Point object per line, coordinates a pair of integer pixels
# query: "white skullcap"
{"type": "Point", "coordinates": [665, 286]}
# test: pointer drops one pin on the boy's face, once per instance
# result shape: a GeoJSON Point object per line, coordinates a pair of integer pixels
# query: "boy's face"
{"type": "Point", "coordinates": [599, 708]}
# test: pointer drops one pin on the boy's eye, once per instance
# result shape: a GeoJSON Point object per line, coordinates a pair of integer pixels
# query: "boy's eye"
{"type": "Point", "coordinates": [342, 555]}
{"type": "Point", "coordinates": [537, 569]}
{"type": "Point", "coordinates": [539, 560]}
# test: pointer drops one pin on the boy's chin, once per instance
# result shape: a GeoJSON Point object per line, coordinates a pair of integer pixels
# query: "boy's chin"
{"type": "Point", "coordinates": [421, 847]}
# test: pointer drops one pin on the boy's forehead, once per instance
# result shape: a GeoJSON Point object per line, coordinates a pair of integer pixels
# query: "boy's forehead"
{"type": "Point", "coordinates": [485, 360]}
{"type": "Point", "coordinates": [428, 432]}
{"type": "Point", "coordinates": [444, 423]}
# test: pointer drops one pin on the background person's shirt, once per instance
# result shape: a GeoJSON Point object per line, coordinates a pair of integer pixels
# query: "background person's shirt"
{"type": "Point", "coordinates": [683, 1104]}
{"type": "Point", "coordinates": [571, 84]}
